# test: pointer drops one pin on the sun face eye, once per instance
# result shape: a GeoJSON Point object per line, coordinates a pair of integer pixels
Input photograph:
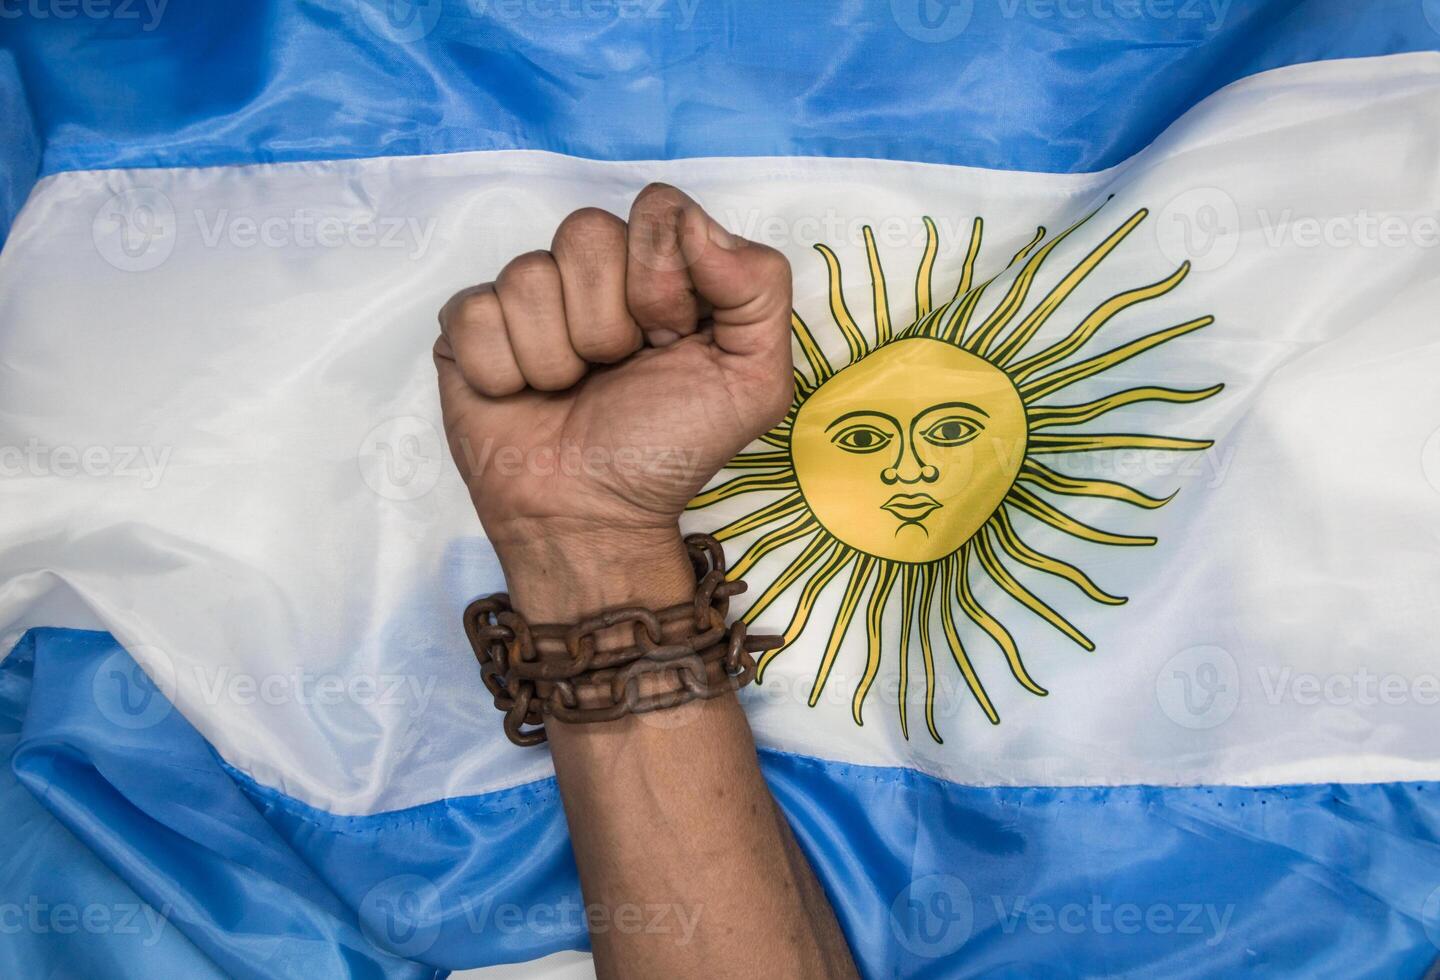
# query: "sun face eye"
{"type": "Point", "coordinates": [862, 439]}
{"type": "Point", "coordinates": [954, 430]}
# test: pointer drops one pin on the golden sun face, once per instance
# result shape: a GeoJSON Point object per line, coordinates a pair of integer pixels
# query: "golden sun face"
{"type": "Point", "coordinates": [909, 472]}
{"type": "Point", "coordinates": [918, 463]}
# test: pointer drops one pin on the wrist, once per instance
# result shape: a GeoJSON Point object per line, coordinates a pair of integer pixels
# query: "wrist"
{"type": "Point", "coordinates": [558, 574]}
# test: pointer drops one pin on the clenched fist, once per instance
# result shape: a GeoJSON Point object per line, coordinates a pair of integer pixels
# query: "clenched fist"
{"type": "Point", "coordinates": [591, 391]}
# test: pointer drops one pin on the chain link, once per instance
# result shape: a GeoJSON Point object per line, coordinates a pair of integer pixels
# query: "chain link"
{"type": "Point", "coordinates": [556, 670]}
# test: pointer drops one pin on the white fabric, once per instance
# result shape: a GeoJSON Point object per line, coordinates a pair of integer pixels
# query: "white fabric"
{"type": "Point", "coordinates": [268, 370]}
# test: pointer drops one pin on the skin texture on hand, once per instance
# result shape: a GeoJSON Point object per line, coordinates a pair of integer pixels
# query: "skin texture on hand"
{"type": "Point", "coordinates": [645, 354]}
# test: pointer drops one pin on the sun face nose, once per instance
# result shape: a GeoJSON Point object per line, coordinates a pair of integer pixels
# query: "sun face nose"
{"type": "Point", "coordinates": [909, 468]}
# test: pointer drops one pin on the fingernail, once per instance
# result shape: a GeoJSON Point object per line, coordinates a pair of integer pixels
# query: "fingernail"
{"type": "Point", "coordinates": [662, 338]}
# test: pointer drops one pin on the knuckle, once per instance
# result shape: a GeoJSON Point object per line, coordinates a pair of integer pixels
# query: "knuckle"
{"type": "Point", "coordinates": [771, 263]}
{"type": "Point", "coordinates": [530, 270]}
{"type": "Point", "coordinates": [476, 308]}
{"type": "Point", "coordinates": [497, 385]}
{"type": "Point", "coordinates": [555, 375]}
{"type": "Point", "coordinates": [589, 231]}
{"type": "Point", "coordinates": [607, 344]}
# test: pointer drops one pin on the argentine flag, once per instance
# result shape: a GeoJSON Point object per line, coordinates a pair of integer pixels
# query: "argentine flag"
{"type": "Point", "coordinates": [1159, 696]}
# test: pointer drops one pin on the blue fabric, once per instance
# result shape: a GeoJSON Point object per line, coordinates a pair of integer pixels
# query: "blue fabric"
{"type": "Point", "coordinates": [102, 751]}
{"type": "Point", "coordinates": [929, 878]}
{"type": "Point", "coordinates": [1037, 85]}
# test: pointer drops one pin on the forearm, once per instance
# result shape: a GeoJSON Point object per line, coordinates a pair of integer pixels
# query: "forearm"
{"type": "Point", "coordinates": [679, 844]}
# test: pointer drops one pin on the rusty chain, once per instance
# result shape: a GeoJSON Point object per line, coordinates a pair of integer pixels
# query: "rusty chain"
{"type": "Point", "coordinates": [556, 670]}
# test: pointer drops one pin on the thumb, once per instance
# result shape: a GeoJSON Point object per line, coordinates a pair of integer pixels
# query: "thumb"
{"type": "Point", "coordinates": [682, 265]}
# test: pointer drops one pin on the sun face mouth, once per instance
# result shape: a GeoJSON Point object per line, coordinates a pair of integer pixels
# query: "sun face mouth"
{"type": "Point", "coordinates": [911, 508]}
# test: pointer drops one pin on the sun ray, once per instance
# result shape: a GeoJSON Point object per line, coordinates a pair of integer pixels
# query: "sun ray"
{"type": "Point", "coordinates": [802, 562]}
{"type": "Point", "coordinates": [1049, 416]}
{"type": "Point", "coordinates": [779, 510]}
{"type": "Point", "coordinates": [991, 625]}
{"type": "Point", "coordinates": [957, 649]}
{"type": "Point", "coordinates": [1087, 443]}
{"type": "Point", "coordinates": [1037, 318]}
{"type": "Point", "coordinates": [1051, 383]}
{"type": "Point", "coordinates": [874, 625]}
{"type": "Point", "coordinates": [814, 356]}
{"type": "Point", "coordinates": [960, 317]}
{"type": "Point", "coordinates": [877, 279]}
{"type": "Point", "coordinates": [859, 578]}
{"type": "Point", "coordinates": [772, 540]}
{"type": "Point", "coordinates": [1048, 514]}
{"type": "Point", "coordinates": [908, 575]}
{"type": "Point", "coordinates": [959, 323]}
{"type": "Point", "coordinates": [757, 461]}
{"type": "Point", "coordinates": [1093, 323]}
{"type": "Point", "coordinates": [1010, 542]}
{"type": "Point", "coordinates": [754, 483]}
{"type": "Point", "coordinates": [828, 484]}
{"type": "Point", "coordinates": [1014, 300]}
{"type": "Point", "coordinates": [848, 328]}
{"type": "Point", "coordinates": [832, 566]}
{"type": "Point", "coordinates": [1045, 478]}
{"type": "Point", "coordinates": [993, 567]}
{"type": "Point", "coordinates": [924, 275]}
